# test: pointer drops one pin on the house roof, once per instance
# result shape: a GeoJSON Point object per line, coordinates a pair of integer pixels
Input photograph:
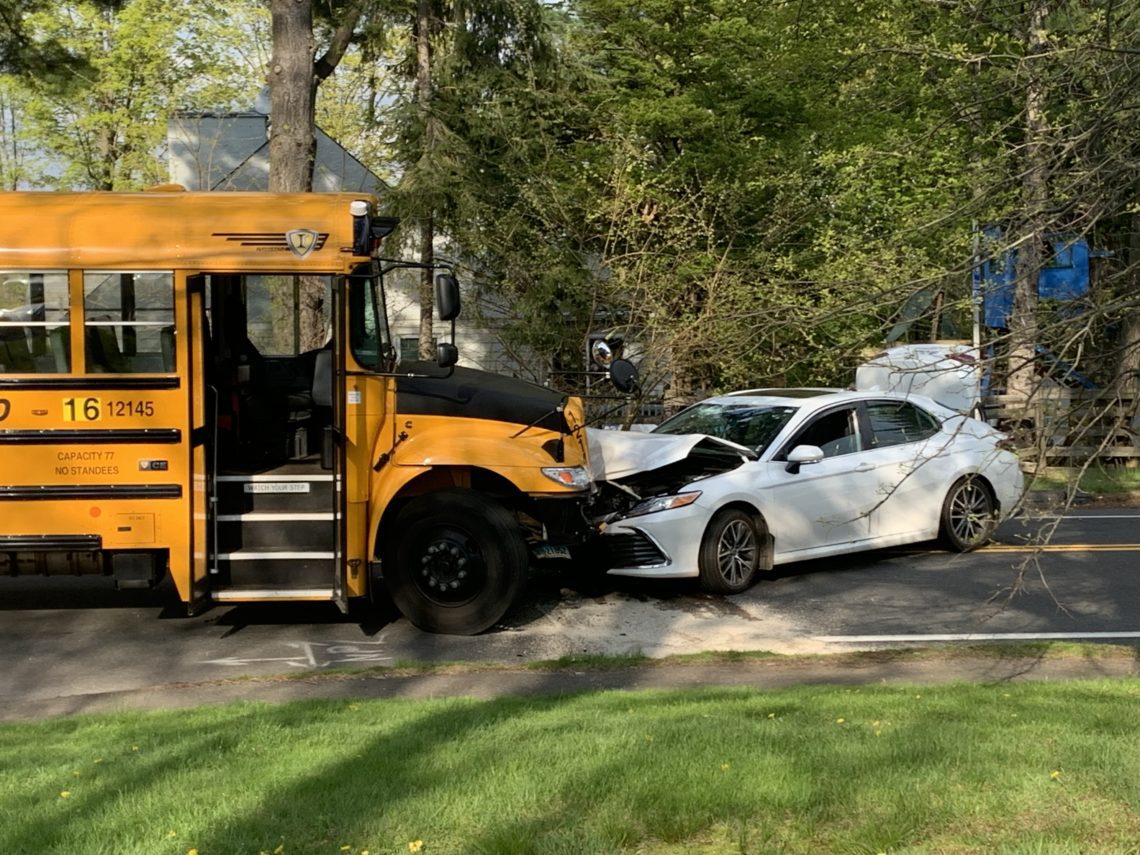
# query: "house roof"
{"type": "Point", "coordinates": [230, 151]}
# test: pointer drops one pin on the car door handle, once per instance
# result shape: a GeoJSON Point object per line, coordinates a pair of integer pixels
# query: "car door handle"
{"type": "Point", "coordinates": [865, 467]}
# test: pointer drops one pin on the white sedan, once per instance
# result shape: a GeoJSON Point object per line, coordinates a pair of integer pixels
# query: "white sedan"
{"type": "Point", "coordinates": [742, 482]}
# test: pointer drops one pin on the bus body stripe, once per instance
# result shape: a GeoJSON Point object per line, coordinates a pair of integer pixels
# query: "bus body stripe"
{"type": "Point", "coordinates": [51, 384]}
{"type": "Point", "coordinates": [50, 543]}
{"type": "Point", "coordinates": [91, 437]}
{"type": "Point", "coordinates": [94, 491]}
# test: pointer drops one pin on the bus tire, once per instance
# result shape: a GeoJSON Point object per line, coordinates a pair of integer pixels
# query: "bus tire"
{"type": "Point", "coordinates": [456, 563]}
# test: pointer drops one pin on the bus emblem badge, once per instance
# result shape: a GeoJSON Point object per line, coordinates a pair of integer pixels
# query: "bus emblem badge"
{"type": "Point", "coordinates": [301, 241]}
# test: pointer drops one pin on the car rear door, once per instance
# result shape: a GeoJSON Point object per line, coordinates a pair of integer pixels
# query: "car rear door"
{"type": "Point", "coordinates": [910, 460]}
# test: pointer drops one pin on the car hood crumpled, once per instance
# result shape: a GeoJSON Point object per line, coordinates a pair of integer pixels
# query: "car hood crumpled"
{"type": "Point", "coordinates": [622, 455]}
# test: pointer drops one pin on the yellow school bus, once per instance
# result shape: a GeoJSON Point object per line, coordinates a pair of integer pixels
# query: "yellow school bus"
{"type": "Point", "coordinates": [159, 414]}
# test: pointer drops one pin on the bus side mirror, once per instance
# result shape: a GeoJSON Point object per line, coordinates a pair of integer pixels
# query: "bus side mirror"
{"type": "Point", "coordinates": [623, 375]}
{"type": "Point", "coordinates": [446, 354]}
{"type": "Point", "coordinates": [447, 296]}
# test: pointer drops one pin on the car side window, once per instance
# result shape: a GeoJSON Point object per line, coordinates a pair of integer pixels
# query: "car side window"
{"type": "Point", "coordinates": [836, 432]}
{"type": "Point", "coordinates": [899, 422]}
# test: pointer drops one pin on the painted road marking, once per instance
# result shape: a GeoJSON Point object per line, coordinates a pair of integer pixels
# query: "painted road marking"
{"type": "Point", "coordinates": [1060, 547]}
{"type": "Point", "coordinates": [318, 654]}
{"type": "Point", "coordinates": [975, 636]}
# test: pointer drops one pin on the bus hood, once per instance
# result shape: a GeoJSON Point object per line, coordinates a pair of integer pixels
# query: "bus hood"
{"type": "Point", "coordinates": [469, 393]}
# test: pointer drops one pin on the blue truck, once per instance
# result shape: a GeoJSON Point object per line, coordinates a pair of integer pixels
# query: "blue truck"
{"type": "Point", "coordinates": [1064, 278]}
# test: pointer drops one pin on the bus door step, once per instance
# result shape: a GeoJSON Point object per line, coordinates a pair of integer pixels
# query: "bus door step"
{"type": "Point", "coordinates": [254, 595]}
{"type": "Point", "coordinates": [273, 570]}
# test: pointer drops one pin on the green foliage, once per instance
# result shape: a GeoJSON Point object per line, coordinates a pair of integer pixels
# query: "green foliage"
{"type": "Point", "coordinates": [22, 53]}
{"type": "Point", "coordinates": [750, 190]}
{"type": "Point", "coordinates": [723, 181]}
{"type": "Point", "coordinates": [742, 205]}
{"type": "Point", "coordinates": [104, 126]}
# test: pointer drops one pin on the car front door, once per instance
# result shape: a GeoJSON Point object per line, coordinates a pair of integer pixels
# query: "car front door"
{"type": "Point", "coordinates": [828, 503]}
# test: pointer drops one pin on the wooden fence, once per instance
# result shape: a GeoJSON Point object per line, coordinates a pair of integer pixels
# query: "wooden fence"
{"type": "Point", "coordinates": [1068, 426]}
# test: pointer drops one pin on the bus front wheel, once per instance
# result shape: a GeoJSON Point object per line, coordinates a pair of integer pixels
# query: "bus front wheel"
{"type": "Point", "coordinates": [456, 563]}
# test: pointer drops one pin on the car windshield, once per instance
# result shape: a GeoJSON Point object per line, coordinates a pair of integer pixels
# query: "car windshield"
{"type": "Point", "coordinates": [745, 424]}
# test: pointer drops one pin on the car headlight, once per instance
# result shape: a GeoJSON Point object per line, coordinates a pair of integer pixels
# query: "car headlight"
{"type": "Point", "coordinates": [663, 503]}
{"type": "Point", "coordinates": [568, 476]}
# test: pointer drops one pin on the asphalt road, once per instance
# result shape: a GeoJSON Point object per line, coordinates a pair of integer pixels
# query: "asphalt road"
{"type": "Point", "coordinates": [69, 638]}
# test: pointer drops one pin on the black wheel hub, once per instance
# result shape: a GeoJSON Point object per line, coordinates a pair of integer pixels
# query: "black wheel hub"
{"type": "Point", "coordinates": [451, 568]}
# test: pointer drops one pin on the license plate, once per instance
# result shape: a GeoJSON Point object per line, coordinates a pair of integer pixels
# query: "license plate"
{"type": "Point", "coordinates": [549, 550]}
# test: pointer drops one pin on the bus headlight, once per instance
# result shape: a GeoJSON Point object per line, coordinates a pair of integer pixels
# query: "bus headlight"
{"type": "Point", "coordinates": [575, 477]}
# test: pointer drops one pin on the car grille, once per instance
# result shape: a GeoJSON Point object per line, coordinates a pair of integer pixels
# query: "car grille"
{"type": "Point", "coordinates": [632, 549]}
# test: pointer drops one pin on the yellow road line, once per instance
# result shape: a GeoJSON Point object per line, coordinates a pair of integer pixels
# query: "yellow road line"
{"type": "Point", "coordinates": [1065, 547]}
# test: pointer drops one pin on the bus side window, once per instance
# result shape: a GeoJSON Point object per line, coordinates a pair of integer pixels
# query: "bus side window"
{"type": "Point", "coordinates": [126, 315]}
{"type": "Point", "coordinates": [103, 354]}
{"type": "Point", "coordinates": [33, 305]}
{"type": "Point", "coordinates": [60, 340]}
{"type": "Point", "coordinates": [16, 356]}
{"type": "Point", "coordinates": [166, 341]}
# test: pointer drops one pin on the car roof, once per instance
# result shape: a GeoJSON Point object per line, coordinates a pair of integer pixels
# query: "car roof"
{"type": "Point", "coordinates": [797, 397]}
{"type": "Point", "coordinates": [792, 397]}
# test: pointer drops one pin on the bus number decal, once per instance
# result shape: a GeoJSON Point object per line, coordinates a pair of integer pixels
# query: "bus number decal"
{"type": "Point", "coordinates": [82, 409]}
{"type": "Point", "coordinates": [130, 408]}
{"type": "Point", "coordinates": [5, 408]}
{"type": "Point", "coordinates": [95, 409]}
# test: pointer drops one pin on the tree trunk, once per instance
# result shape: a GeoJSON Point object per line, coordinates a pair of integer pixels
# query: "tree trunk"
{"type": "Point", "coordinates": [293, 80]}
{"type": "Point", "coordinates": [427, 223]}
{"type": "Point", "coordinates": [1128, 364]}
{"type": "Point", "coordinates": [1023, 381]}
{"type": "Point", "coordinates": [291, 92]}
{"type": "Point", "coordinates": [426, 292]}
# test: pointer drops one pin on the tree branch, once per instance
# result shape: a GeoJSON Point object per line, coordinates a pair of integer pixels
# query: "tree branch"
{"type": "Point", "coordinates": [342, 38]}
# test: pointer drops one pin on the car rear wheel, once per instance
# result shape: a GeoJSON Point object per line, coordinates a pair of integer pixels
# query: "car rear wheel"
{"type": "Point", "coordinates": [969, 515]}
{"type": "Point", "coordinates": [730, 553]}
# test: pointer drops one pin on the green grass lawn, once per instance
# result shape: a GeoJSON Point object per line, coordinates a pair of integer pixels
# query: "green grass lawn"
{"type": "Point", "coordinates": [1017, 768]}
{"type": "Point", "coordinates": [1096, 479]}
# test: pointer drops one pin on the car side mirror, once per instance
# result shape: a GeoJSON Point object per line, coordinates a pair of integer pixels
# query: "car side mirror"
{"type": "Point", "coordinates": [802, 454]}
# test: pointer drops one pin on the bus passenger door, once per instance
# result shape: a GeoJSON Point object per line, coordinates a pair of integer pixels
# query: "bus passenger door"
{"type": "Point", "coordinates": [278, 502]}
{"type": "Point", "coordinates": [201, 443]}
{"type": "Point", "coordinates": [334, 456]}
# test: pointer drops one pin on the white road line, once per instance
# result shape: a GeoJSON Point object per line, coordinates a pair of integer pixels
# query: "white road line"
{"type": "Point", "coordinates": [975, 636]}
{"type": "Point", "coordinates": [1086, 517]}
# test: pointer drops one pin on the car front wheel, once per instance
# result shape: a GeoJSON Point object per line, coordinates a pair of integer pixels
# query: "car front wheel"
{"type": "Point", "coordinates": [969, 515]}
{"type": "Point", "coordinates": [730, 553]}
